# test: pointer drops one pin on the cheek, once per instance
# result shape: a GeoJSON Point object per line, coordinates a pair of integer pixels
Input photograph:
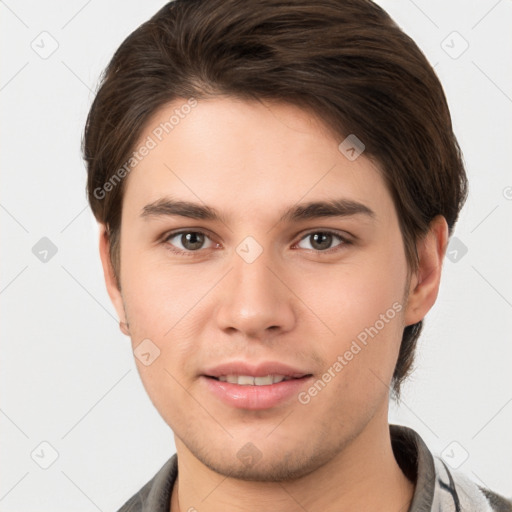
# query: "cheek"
{"type": "Point", "coordinates": [351, 296]}
{"type": "Point", "coordinates": [163, 312]}
{"type": "Point", "coordinates": [156, 293]}
{"type": "Point", "coordinates": [167, 304]}
{"type": "Point", "coordinates": [362, 304]}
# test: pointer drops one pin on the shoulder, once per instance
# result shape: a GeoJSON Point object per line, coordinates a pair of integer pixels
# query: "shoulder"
{"type": "Point", "coordinates": [438, 487]}
{"type": "Point", "coordinates": [454, 490]}
{"type": "Point", "coordinates": [155, 495]}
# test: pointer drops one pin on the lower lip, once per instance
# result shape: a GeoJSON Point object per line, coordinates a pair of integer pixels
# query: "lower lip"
{"type": "Point", "coordinates": [255, 397]}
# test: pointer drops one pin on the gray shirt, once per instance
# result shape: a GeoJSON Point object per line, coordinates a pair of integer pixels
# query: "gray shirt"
{"type": "Point", "coordinates": [437, 487]}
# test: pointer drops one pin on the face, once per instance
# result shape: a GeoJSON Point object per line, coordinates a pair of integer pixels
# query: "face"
{"type": "Point", "coordinates": [319, 292]}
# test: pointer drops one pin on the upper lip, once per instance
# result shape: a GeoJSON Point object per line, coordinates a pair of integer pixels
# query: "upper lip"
{"type": "Point", "coordinates": [261, 369]}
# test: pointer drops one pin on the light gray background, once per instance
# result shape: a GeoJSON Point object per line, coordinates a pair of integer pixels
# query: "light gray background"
{"type": "Point", "coordinates": [68, 376]}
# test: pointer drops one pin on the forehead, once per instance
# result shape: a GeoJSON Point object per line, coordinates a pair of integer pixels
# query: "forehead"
{"type": "Point", "coordinates": [247, 157]}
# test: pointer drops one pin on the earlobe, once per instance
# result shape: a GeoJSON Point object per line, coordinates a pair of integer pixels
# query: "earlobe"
{"type": "Point", "coordinates": [110, 278]}
{"type": "Point", "coordinates": [125, 328]}
{"type": "Point", "coordinates": [425, 283]}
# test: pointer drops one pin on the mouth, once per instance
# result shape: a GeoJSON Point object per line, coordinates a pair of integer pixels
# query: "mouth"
{"type": "Point", "coordinates": [249, 380]}
{"type": "Point", "coordinates": [243, 384]}
{"type": "Point", "coordinates": [248, 392]}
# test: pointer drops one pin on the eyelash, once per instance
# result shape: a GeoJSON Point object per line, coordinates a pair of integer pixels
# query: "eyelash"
{"type": "Point", "coordinates": [345, 241]}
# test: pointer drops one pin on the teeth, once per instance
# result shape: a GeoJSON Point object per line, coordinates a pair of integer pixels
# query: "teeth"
{"type": "Point", "coordinates": [247, 380]}
{"type": "Point", "coordinates": [262, 381]}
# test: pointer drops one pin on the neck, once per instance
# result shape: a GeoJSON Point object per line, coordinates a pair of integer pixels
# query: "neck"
{"type": "Point", "coordinates": [364, 476]}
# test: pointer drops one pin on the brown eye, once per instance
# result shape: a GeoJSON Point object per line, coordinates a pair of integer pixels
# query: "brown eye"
{"type": "Point", "coordinates": [322, 240]}
{"type": "Point", "coordinates": [186, 241]}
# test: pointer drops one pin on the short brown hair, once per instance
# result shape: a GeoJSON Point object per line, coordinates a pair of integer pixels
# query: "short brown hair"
{"type": "Point", "coordinates": [346, 61]}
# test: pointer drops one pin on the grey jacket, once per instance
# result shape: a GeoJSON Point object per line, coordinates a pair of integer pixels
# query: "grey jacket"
{"type": "Point", "coordinates": [437, 489]}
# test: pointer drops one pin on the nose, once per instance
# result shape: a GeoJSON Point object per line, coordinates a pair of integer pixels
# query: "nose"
{"type": "Point", "coordinates": [254, 298]}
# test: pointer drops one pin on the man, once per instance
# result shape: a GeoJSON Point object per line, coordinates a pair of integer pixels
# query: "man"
{"type": "Point", "coordinates": [276, 183]}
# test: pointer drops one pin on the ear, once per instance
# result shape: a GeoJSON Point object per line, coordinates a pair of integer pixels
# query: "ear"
{"type": "Point", "coordinates": [424, 285]}
{"type": "Point", "coordinates": [110, 280]}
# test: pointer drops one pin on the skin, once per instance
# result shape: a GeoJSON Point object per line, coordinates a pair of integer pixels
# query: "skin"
{"type": "Point", "coordinates": [293, 304]}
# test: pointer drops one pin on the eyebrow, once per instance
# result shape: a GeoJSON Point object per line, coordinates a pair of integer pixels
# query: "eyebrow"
{"type": "Point", "coordinates": [312, 210]}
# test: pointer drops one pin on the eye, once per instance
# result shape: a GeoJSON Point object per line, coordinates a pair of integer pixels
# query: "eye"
{"type": "Point", "coordinates": [321, 241]}
{"type": "Point", "coordinates": [191, 241]}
